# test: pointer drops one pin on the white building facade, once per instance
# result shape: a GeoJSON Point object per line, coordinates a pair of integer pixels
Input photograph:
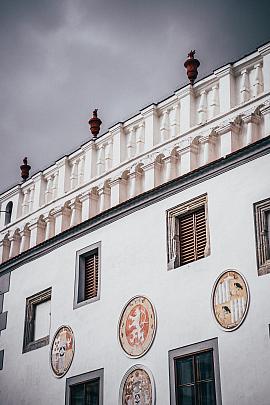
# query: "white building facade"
{"type": "Point", "coordinates": [171, 207]}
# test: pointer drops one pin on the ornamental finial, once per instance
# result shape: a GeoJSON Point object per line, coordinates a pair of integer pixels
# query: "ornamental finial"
{"type": "Point", "coordinates": [94, 124]}
{"type": "Point", "coordinates": [192, 64]}
{"type": "Point", "coordinates": [25, 168]}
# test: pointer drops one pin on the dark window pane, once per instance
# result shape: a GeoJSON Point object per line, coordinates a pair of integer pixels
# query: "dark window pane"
{"type": "Point", "coordinates": [206, 393]}
{"type": "Point", "coordinates": [186, 395]}
{"type": "Point", "coordinates": [92, 393]}
{"type": "Point", "coordinates": [184, 371]}
{"type": "Point", "coordinates": [77, 394]}
{"type": "Point", "coordinates": [204, 366]}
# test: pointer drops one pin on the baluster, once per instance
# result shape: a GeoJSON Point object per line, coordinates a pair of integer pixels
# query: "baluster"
{"type": "Point", "coordinates": [258, 81]}
{"type": "Point", "coordinates": [214, 101]}
{"type": "Point", "coordinates": [48, 192]}
{"type": "Point", "coordinates": [55, 186]}
{"type": "Point", "coordinates": [74, 175]}
{"type": "Point", "coordinates": [100, 160]}
{"type": "Point", "coordinates": [81, 169]}
{"type": "Point", "coordinates": [175, 121]}
{"type": "Point", "coordinates": [140, 139]}
{"type": "Point", "coordinates": [130, 143]}
{"type": "Point", "coordinates": [108, 155]}
{"type": "Point", "coordinates": [202, 110]}
{"type": "Point", "coordinates": [244, 88]}
{"type": "Point", "coordinates": [164, 127]}
{"type": "Point", "coordinates": [31, 198]}
{"type": "Point", "coordinates": [25, 201]}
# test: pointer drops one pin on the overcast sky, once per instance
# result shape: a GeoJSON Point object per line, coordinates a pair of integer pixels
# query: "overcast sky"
{"type": "Point", "coordinates": [60, 59]}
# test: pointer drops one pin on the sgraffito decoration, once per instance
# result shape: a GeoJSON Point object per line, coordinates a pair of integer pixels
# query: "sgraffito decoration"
{"type": "Point", "coordinates": [137, 326]}
{"type": "Point", "coordinates": [137, 387]}
{"type": "Point", "coordinates": [62, 351]}
{"type": "Point", "coordinates": [230, 300]}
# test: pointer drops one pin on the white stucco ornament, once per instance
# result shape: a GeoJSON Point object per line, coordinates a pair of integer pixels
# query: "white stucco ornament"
{"type": "Point", "coordinates": [62, 351]}
{"type": "Point", "coordinates": [137, 387]}
{"type": "Point", "coordinates": [230, 300]}
{"type": "Point", "coordinates": [137, 326]}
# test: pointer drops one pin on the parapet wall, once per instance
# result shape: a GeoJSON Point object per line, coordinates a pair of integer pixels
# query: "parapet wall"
{"type": "Point", "coordinates": [217, 116]}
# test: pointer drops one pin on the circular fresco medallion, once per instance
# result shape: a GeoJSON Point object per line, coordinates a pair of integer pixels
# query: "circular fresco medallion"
{"type": "Point", "coordinates": [137, 326]}
{"type": "Point", "coordinates": [230, 300]}
{"type": "Point", "coordinates": [62, 351]}
{"type": "Point", "coordinates": [137, 387]}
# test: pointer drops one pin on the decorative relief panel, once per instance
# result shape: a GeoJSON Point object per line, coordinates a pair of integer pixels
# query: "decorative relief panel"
{"type": "Point", "coordinates": [137, 387]}
{"type": "Point", "coordinates": [62, 351]}
{"type": "Point", "coordinates": [137, 326]}
{"type": "Point", "coordinates": [230, 300]}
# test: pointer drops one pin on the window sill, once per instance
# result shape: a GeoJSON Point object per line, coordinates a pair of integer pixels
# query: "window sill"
{"type": "Point", "coordinates": [86, 302]}
{"type": "Point", "coordinates": [264, 268]}
{"type": "Point", "coordinates": [37, 344]}
{"type": "Point", "coordinates": [187, 265]}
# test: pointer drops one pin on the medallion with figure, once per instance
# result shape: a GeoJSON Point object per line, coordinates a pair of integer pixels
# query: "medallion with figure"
{"type": "Point", "coordinates": [62, 351]}
{"type": "Point", "coordinates": [137, 387]}
{"type": "Point", "coordinates": [137, 326]}
{"type": "Point", "coordinates": [230, 300]}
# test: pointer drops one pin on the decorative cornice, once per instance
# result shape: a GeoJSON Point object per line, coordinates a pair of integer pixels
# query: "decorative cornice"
{"type": "Point", "coordinates": [10, 193]}
{"type": "Point", "coordinates": [264, 50]}
{"type": "Point", "coordinates": [185, 91]}
{"type": "Point", "coordinates": [151, 109]}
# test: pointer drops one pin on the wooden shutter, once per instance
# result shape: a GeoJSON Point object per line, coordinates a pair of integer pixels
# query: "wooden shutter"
{"type": "Point", "coordinates": [192, 235]}
{"type": "Point", "coordinates": [91, 276]}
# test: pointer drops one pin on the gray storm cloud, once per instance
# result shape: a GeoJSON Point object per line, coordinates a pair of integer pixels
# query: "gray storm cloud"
{"type": "Point", "coordinates": [60, 59]}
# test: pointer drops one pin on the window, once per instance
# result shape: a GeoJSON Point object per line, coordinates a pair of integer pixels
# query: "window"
{"type": "Point", "coordinates": [87, 278]}
{"type": "Point", "coordinates": [194, 374]}
{"type": "Point", "coordinates": [37, 320]}
{"type": "Point", "coordinates": [262, 232]}
{"type": "Point", "coordinates": [8, 212]}
{"type": "Point", "coordinates": [187, 232]}
{"type": "Point", "coordinates": [85, 389]}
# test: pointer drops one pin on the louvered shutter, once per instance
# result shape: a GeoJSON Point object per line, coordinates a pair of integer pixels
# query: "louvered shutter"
{"type": "Point", "coordinates": [91, 276]}
{"type": "Point", "coordinates": [192, 235]}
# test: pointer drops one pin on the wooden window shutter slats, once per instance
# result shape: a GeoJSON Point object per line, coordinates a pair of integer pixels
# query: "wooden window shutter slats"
{"type": "Point", "coordinates": [187, 231]}
{"type": "Point", "coordinates": [192, 236]}
{"type": "Point", "coordinates": [91, 276]}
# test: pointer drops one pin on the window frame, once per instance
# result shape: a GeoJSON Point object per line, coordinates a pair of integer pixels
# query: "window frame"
{"type": "Point", "coordinates": [29, 323]}
{"type": "Point", "coordinates": [172, 218]}
{"type": "Point", "coordinates": [8, 213]}
{"type": "Point", "coordinates": [82, 379]}
{"type": "Point", "coordinates": [261, 208]}
{"type": "Point", "coordinates": [79, 280]}
{"type": "Point", "coordinates": [191, 350]}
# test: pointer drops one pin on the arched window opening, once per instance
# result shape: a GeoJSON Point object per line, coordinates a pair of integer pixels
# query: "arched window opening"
{"type": "Point", "coordinates": [8, 212]}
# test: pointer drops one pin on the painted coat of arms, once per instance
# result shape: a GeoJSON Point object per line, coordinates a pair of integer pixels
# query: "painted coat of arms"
{"type": "Point", "coordinates": [62, 351]}
{"type": "Point", "coordinates": [230, 300]}
{"type": "Point", "coordinates": [137, 387]}
{"type": "Point", "coordinates": [137, 326]}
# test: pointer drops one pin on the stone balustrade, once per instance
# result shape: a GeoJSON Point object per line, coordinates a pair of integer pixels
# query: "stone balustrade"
{"type": "Point", "coordinates": [197, 125]}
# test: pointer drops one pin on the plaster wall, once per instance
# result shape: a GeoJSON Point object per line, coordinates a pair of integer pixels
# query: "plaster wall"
{"type": "Point", "coordinates": [133, 261]}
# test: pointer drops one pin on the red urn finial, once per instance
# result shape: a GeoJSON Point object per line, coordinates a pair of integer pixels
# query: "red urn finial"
{"type": "Point", "coordinates": [25, 169]}
{"type": "Point", "coordinates": [95, 123]}
{"type": "Point", "coordinates": [192, 65]}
